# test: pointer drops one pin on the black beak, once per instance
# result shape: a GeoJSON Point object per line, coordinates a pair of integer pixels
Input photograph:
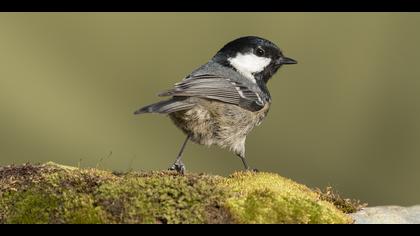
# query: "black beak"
{"type": "Point", "coordinates": [286, 61]}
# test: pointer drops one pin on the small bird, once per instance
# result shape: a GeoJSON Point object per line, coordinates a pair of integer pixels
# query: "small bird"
{"type": "Point", "coordinates": [220, 102]}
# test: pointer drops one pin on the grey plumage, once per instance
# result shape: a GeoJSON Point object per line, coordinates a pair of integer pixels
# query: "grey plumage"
{"type": "Point", "coordinates": [166, 107]}
{"type": "Point", "coordinates": [216, 82]}
{"type": "Point", "coordinates": [214, 105]}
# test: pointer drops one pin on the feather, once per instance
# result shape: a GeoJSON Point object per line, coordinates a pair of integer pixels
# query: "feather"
{"type": "Point", "coordinates": [165, 107]}
{"type": "Point", "coordinates": [217, 88]}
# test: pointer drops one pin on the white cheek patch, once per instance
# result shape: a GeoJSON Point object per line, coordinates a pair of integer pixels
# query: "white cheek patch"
{"type": "Point", "coordinates": [247, 64]}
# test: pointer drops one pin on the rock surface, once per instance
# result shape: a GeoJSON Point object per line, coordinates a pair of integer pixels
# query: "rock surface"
{"type": "Point", "coordinates": [388, 215]}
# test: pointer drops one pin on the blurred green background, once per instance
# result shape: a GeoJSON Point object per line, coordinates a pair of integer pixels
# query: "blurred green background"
{"type": "Point", "coordinates": [347, 115]}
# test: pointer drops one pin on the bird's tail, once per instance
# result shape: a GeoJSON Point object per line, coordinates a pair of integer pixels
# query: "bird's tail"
{"type": "Point", "coordinates": [165, 107]}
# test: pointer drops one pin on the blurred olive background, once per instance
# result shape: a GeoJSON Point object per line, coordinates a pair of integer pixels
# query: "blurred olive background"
{"type": "Point", "coordinates": [347, 115]}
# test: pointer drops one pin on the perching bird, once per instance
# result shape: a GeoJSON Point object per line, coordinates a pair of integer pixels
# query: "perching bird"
{"type": "Point", "coordinates": [223, 100]}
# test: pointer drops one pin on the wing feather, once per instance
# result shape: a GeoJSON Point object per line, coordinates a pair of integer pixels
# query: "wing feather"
{"type": "Point", "coordinates": [217, 88]}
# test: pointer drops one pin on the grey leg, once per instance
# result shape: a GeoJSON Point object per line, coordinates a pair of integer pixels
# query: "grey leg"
{"type": "Point", "coordinates": [246, 164]}
{"type": "Point", "coordinates": [178, 165]}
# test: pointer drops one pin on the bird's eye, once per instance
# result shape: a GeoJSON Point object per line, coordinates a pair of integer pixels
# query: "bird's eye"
{"type": "Point", "coordinates": [260, 52]}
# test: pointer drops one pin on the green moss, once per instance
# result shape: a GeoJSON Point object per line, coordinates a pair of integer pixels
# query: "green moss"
{"type": "Point", "coordinates": [29, 207]}
{"type": "Point", "coordinates": [52, 193]}
{"type": "Point", "coordinates": [270, 198]}
{"type": "Point", "coordinates": [345, 205]}
{"type": "Point", "coordinates": [81, 209]}
{"type": "Point", "coordinates": [161, 198]}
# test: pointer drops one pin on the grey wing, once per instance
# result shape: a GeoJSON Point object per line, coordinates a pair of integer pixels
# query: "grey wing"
{"type": "Point", "coordinates": [217, 88]}
{"type": "Point", "coordinates": [165, 107]}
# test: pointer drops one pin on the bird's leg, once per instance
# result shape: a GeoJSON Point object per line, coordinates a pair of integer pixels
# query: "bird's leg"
{"type": "Point", "coordinates": [178, 166]}
{"type": "Point", "coordinates": [244, 162]}
{"type": "Point", "coordinates": [242, 157]}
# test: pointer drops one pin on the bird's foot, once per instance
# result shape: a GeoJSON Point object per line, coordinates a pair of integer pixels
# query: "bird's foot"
{"type": "Point", "coordinates": [178, 167]}
{"type": "Point", "coordinates": [252, 170]}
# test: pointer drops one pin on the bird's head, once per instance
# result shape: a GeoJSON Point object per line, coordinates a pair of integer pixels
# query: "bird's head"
{"type": "Point", "coordinates": [255, 58]}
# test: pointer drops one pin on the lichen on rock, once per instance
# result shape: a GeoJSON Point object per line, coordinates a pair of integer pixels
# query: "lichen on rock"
{"type": "Point", "coordinates": [52, 193]}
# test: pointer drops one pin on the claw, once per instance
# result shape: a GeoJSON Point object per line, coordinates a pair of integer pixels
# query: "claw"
{"type": "Point", "coordinates": [178, 167]}
{"type": "Point", "coordinates": [253, 170]}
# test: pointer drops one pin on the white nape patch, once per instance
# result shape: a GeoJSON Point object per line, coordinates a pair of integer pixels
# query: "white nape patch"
{"type": "Point", "coordinates": [247, 64]}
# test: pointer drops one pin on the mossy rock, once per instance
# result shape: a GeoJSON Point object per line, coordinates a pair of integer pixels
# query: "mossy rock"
{"type": "Point", "coordinates": [52, 193]}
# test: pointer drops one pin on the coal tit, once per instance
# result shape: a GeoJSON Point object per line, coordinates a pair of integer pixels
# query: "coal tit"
{"type": "Point", "coordinates": [220, 102]}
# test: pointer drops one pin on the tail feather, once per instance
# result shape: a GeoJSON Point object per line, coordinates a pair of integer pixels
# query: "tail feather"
{"type": "Point", "coordinates": [165, 107]}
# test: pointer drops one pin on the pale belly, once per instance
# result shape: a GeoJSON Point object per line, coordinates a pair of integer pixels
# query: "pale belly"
{"type": "Point", "coordinates": [216, 123]}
